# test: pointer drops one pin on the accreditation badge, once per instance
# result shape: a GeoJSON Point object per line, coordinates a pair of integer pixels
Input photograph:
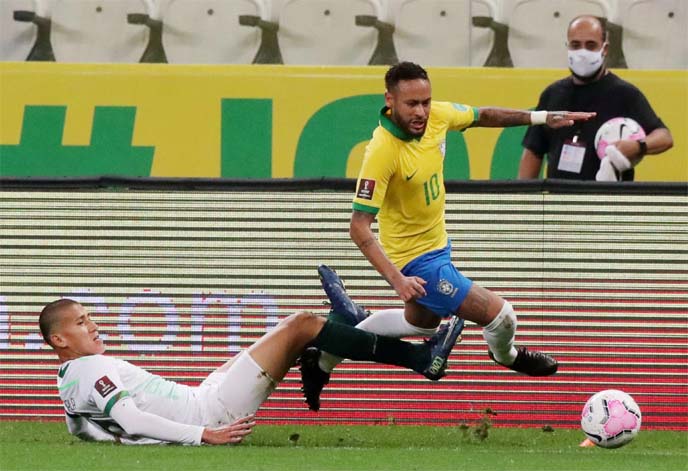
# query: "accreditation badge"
{"type": "Point", "coordinates": [572, 155]}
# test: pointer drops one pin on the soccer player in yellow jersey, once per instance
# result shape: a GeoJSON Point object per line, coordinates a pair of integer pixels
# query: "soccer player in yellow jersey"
{"type": "Point", "coordinates": [401, 184]}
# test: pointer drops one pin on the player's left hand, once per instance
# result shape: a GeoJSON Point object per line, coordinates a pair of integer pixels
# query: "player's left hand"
{"type": "Point", "coordinates": [232, 433]}
{"type": "Point", "coordinates": [562, 119]}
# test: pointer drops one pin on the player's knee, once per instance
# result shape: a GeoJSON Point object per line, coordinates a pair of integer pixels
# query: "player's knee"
{"type": "Point", "coordinates": [304, 321]}
{"type": "Point", "coordinates": [508, 311]}
{"type": "Point", "coordinates": [505, 318]}
{"type": "Point", "coordinates": [482, 306]}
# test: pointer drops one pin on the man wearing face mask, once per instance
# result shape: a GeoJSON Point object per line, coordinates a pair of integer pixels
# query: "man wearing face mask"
{"type": "Point", "coordinates": [591, 87]}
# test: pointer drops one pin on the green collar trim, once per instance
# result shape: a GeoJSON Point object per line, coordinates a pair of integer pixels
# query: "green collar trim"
{"type": "Point", "coordinates": [395, 130]}
{"type": "Point", "coordinates": [62, 371]}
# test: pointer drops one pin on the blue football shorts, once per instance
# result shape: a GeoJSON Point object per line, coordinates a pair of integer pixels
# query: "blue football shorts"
{"type": "Point", "coordinates": [446, 287]}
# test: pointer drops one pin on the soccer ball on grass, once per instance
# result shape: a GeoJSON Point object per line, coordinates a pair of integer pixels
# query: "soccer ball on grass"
{"type": "Point", "coordinates": [611, 418]}
{"type": "Point", "coordinates": [616, 129]}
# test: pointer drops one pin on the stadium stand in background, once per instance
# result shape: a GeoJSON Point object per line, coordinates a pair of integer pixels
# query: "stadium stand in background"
{"type": "Point", "coordinates": [644, 34]}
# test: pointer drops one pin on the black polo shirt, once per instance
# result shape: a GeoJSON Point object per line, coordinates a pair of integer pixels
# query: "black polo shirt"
{"type": "Point", "coordinates": [610, 97]}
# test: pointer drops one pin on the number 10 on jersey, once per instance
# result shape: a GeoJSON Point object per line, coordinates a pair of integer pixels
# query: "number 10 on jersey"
{"type": "Point", "coordinates": [432, 189]}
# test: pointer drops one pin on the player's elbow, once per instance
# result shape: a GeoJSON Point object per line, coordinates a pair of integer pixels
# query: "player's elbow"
{"type": "Point", "coordinates": [353, 231]}
{"type": "Point", "coordinates": [356, 233]}
{"type": "Point", "coordinates": [669, 143]}
{"type": "Point", "coordinates": [359, 226]}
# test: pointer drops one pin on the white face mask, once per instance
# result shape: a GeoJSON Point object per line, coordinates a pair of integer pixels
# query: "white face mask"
{"type": "Point", "coordinates": [585, 63]}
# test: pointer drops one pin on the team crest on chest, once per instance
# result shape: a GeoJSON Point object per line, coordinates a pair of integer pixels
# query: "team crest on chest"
{"type": "Point", "coordinates": [446, 288]}
{"type": "Point", "coordinates": [443, 147]}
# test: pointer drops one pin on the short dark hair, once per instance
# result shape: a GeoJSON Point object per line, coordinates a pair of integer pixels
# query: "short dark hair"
{"type": "Point", "coordinates": [600, 19]}
{"type": "Point", "coordinates": [404, 71]}
{"type": "Point", "coordinates": [50, 315]}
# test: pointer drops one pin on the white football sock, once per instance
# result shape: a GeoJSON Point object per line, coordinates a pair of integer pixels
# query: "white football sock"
{"type": "Point", "coordinates": [499, 335]}
{"type": "Point", "coordinates": [392, 323]}
{"type": "Point", "coordinates": [388, 322]}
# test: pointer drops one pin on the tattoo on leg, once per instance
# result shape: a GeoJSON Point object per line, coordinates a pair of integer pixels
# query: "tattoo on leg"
{"type": "Point", "coordinates": [478, 302]}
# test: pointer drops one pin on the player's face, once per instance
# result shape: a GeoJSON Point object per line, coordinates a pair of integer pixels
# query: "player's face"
{"type": "Point", "coordinates": [410, 105]}
{"type": "Point", "coordinates": [77, 333]}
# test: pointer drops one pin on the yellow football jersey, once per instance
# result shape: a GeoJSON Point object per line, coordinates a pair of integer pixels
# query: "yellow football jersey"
{"type": "Point", "coordinates": [401, 181]}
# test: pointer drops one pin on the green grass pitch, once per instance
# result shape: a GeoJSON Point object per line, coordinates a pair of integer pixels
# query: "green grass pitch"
{"type": "Point", "coordinates": [48, 446]}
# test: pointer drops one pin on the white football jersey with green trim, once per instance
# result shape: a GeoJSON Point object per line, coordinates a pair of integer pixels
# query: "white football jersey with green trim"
{"type": "Point", "coordinates": [90, 386]}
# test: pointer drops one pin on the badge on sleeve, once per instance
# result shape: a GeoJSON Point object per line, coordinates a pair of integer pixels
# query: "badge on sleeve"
{"type": "Point", "coordinates": [105, 386]}
{"type": "Point", "coordinates": [572, 155]}
{"type": "Point", "coordinates": [366, 189]}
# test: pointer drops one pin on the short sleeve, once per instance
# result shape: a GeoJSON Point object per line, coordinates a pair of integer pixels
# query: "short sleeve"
{"type": "Point", "coordinates": [104, 383]}
{"type": "Point", "coordinates": [378, 167]}
{"type": "Point", "coordinates": [644, 114]}
{"type": "Point", "coordinates": [461, 116]}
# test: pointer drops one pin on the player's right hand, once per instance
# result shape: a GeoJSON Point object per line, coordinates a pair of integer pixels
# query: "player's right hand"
{"type": "Point", "coordinates": [410, 287]}
{"type": "Point", "coordinates": [232, 433]}
{"type": "Point", "coordinates": [560, 119]}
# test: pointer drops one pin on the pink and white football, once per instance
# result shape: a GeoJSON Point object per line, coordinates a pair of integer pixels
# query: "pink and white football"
{"type": "Point", "coordinates": [611, 418]}
{"type": "Point", "coordinates": [614, 130]}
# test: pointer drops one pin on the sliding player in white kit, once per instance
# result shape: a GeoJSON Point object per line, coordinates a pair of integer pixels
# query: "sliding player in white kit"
{"type": "Point", "coordinates": [95, 411]}
{"type": "Point", "coordinates": [108, 399]}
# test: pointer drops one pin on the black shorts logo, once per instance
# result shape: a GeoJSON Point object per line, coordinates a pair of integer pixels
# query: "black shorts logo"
{"type": "Point", "coordinates": [104, 386]}
{"type": "Point", "coordinates": [366, 189]}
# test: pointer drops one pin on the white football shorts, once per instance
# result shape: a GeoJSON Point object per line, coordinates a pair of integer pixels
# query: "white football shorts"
{"type": "Point", "coordinates": [237, 392]}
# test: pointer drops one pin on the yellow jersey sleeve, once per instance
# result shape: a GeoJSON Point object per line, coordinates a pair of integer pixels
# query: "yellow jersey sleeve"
{"type": "Point", "coordinates": [457, 116]}
{"type": "Point", "coordinates": [378, 166]}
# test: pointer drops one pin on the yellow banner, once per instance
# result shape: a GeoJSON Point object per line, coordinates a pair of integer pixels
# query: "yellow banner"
{"type": "Point", "coordinates": [254, 121]}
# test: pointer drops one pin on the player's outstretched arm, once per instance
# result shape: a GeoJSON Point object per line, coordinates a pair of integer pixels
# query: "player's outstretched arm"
{"type": "Point", "coordinates": [504, 117]}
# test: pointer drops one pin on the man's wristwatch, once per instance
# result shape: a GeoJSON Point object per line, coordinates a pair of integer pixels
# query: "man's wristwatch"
{"type": "Point", "coordinates": [643, 147]}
